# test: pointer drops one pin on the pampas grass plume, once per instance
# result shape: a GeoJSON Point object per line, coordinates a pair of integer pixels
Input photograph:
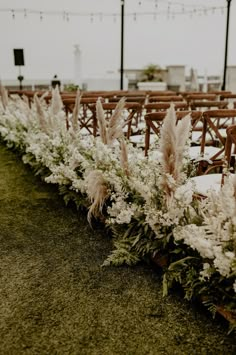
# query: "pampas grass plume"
{"type": "Point", "coordinates": [172, 145]}
{"type": "Point", "coordinates": [102, 123]}
{"type": "Point", "coordinates": [56, 104]}
{"type": "Point", "coordinates": [75, 114]}
{"type": "Point", "coordinates": [115, 126]}
{"type": "Point", "coordinates": [40, 114]}
{"type": "Point", "coordinates": [97, 192]}
{"type": "Point", "coordinates": [124, 157]}
{"type": "Point", "coordinates": [4, 95]}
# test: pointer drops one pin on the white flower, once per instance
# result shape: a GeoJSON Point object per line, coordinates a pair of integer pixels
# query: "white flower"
{"type": "Point", "coordinates": [206, 272]}
{"type": "Point", "coordinates": [234, 286]}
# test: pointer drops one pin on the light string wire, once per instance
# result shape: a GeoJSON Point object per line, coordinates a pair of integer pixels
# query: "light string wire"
{"type": "Point", "coordinates": [65, 15]}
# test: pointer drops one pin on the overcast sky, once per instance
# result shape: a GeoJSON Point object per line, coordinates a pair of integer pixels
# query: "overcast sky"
{"type": "Point", "coordinates": [196, 40]}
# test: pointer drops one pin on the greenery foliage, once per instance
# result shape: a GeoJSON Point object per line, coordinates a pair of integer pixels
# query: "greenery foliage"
{"type": "Point", "coordinates": [152, 72]}
{"type": "Point", "coordinates": [147, 205]}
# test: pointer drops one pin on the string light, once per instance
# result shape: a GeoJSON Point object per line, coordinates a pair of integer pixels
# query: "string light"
{"type": "Point", "coordinates": [170, 9]}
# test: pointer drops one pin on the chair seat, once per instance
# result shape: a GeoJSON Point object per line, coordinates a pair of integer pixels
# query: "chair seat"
{"type": "Point", "coordinates": [194, 153]}
{"type": "Point", "coordinates": [204, 183]}
{"type": "Point", "coordinates": [139, 139]}
{"type": "Point", "coordinates": [196, 137]}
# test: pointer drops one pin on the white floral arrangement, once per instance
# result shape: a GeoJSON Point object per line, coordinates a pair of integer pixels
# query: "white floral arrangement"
{"type": "Point", "coordinates": [146, 202]}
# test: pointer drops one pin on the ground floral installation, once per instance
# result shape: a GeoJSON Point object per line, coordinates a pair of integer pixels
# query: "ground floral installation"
{"type": "Point", "coordinates": [146, 203]}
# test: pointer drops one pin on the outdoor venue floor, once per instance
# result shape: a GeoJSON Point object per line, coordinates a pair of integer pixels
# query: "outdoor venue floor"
{"type": "Point", "coordinates": [56, 299]}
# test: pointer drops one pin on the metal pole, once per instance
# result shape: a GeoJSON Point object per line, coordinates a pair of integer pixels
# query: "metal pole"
{"type": "Point", "coordinates": [20, 78]}
{"type": "Point", "coordinates": [226, 43]}
{"type": "Point", "coordinates": [122, 44]}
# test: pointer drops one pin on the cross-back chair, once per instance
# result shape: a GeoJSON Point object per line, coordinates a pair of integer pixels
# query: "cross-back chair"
{"type": "Point", "coordinates": [154, 121]}
{"type": "Point", "coordinates": [132, 109]}
{"type": "Point", "coordinates": [85, 118]}
{"type": "Point", "coordinates": [163, 106]}
{"type": "Point", "coordinates": [227, 95]}
{"type": "Point", "coordinates": [214, 181]}
{"type": "Point", "coordinates": [161, 93]}
{"type": "Point", "coordinates": [215, 123]}
{"type": "Point", "coordinates": [207, 105]}
{"type": "Point", "coordinates": [200, 97]}
{"type": "Point", "coordinates": [168, 98]}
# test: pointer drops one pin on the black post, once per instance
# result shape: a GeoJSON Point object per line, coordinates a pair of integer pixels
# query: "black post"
{"type": "Point", "coordinates": [226, 43]}
{"type": "Point", "coordinates": [20, 78]}
{"type": "Point", "coordinates": [122, 44]}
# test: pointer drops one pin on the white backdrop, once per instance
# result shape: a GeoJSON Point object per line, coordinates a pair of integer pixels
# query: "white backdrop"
{"type": "Point", "coordinates": [48, 44]}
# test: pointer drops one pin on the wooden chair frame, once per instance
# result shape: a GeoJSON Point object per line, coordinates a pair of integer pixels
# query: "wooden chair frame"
{"type": "Point", "coordinates": [133, 109]}
{"type": "Point", "coordinates": [154, 121]}
{"type": "Point", "coordinates": [211, 122]}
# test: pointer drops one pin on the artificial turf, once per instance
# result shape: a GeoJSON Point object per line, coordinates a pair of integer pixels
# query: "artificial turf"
{"type": "Point", "coordinates": [56, 299]}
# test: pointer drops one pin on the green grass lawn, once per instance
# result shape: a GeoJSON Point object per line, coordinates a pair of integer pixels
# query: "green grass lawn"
{"type": "Point", "coordinates": [55, 298]}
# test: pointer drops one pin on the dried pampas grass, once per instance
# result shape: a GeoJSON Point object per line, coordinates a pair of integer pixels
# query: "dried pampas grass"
{"type": "Point", "coordinates": [97, 192]}
{"type": "Point", "coordinates": [24, 103]}
{"type": "Point", "coordinates": [233, 183]}
{"type": "Point", "coordinates": [102, 123]}
{"type": "Point", "coordinates": [112, 129]}
{"type": "Point", "coordinates": [56, 104]}
{"type": "Point", "coordinates": [115, 125]}
{"type": "Point", "coordinates": [4, 96]}
{"type": "Point", "coordinates": [124, 157]}
{"type": "Point", "coordinates": [75, 114]}
{"type": "Point", "coordinates": [40, 114]}
{"type": "Point", "coordinates": [182, 136]}
{"type": "Point", "coordinates": [45, 94]}
{"type": "Point", "coordinates": [172, 145]}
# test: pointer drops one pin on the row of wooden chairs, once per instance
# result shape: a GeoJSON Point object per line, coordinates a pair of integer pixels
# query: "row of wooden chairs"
{"type": "Point", "coordinates": [213, 134]}
{"type": "Point", "coordinates": [147, 96]}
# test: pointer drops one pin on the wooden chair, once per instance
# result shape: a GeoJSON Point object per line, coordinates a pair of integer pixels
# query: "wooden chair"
{"type": "Point", "coordinates": [169, 98]}
{"type": "Point", "coordinates": [200, 97]}
{"type": "Point", "coordinates": [214, 181]}
{"type": "Point", "coordinates": [163, 106]}
{"type": "Point", "coordinates": [86, 114]}
{"type": "Point", "coordinates": [207, 105]}
{"type": "Point", "coordinates": [215, 122]}
{"type": "Point", "coordinates": [218, 93]}
{"type": "Point", "coordinates": [132, 110]}
{"type": "Point", "coordinates": [226, 96]}
{"type": "Point", "coordinates": [161, 93]}
{"type": "Point", "coordinates": [139, 99]}
{"type": "Point", "coordinates": [230, 99]}
{"type": "Point", "coordinates": [130, 93]}
{"type": "Point", "coordinates": [154, 121]}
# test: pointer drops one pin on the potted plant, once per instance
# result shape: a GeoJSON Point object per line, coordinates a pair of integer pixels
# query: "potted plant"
{"type": "Point", "coordinates": [152, 78]}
